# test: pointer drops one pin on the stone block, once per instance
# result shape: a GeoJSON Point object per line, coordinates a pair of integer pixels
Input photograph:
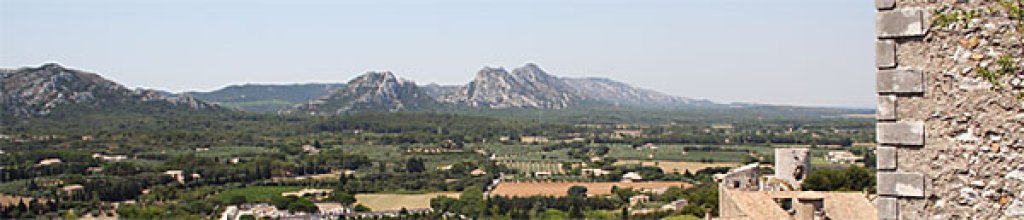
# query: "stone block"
{"type": "Point", "coordinates": [901, 184]}
{"type": "Point", "coordinates": [886, 108]}
{"type": "Point", "coordinates": [886, 158]}
{"type": "Point", "coordinates": [888, 208]}
{"type": "Point", "coordinates": [885, 4]}
{"type": "Point", "coordinates": [900, 23]}
{"type": "Point", "coordinates": [899, 81]}
{"type": "Point", "coordinates": [885, 54]}
{"type": "Point", "coordinates": [900, 133]}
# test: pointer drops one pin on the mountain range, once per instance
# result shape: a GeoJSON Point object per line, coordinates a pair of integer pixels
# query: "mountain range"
{"type": "Point", "coordinates": [527, 87]}
{"type": "Point", "coordinates": [37, 91]}
{"type": "Point", "coordinates": [40, 91]}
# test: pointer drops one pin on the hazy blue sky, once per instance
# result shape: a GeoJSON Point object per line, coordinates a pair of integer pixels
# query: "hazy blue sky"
{"type": "Point", "coordinates": [807, 52]}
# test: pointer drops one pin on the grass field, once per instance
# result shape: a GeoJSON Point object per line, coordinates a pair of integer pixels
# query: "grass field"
{"type": "Point", "coordinates": [386, 201]}
{"type": "Point", "coordinates": [732, 154]}
{"type": "Point", "coordinates": [562, 188]}
{"type": "Point", "coordinates": [256, 193]}
{"type": "Point", "coordinates": [677, 166]}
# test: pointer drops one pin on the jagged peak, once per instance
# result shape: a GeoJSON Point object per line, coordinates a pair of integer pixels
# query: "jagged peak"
{"type": "Point", "coordinates": [530, 70]}
{"type": "Point", "coordinates": [52, 66]}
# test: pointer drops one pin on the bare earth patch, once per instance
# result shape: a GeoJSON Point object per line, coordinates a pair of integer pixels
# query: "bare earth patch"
{"type": "Point", "coordinates": [384, 201]}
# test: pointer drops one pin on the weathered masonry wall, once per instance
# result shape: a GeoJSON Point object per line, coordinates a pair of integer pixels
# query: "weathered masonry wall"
{"type": "Point", "coordinates": [950, 109]}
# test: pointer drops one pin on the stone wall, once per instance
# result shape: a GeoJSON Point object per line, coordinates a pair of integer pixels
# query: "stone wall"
{"type": "Point", "coordinates": [950, 113]}
{"type": "Point", "coordinates": [792, 165]}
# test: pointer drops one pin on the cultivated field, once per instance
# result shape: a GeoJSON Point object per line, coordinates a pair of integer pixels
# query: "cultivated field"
{"type": "Point", "coordinates": [562, 188]}
{"type": "Point", "coordinates": [385, 201]}
{"type": "Point", "coordinates": [257, 193]}
{"type": "Point", "coordinates": [531, 167]}
{"type": "Point", "coordinates": [12, 200]}
{"type": "Point", "coordinates": [676, 166]}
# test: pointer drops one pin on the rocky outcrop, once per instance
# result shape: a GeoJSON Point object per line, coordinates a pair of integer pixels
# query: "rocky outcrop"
{"type": "Point", "coordinates": [374, 91]}
{"type": "Point", "coordinates": [524, 87]}
{"type": "Point", "coordinates": [602, 91]}
{"type": "Point", "coordinates": [34, 92]}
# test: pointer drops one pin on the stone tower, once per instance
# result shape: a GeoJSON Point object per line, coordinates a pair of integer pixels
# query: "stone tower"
{"type": "Point", "coordinates": [792, 165]}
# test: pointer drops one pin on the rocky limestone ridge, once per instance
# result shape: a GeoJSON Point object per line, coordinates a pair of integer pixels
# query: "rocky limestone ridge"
{"type": "Point", "coordinates": [524, 87]}
{"type": "Point", "coordinates": [373, 91]}
{"type": "Point", "coordinates": [38, 91]}
{"type": "Point", "coordinates": [528, 86]}
{"type": "Point", "coordinates": [605, 91]}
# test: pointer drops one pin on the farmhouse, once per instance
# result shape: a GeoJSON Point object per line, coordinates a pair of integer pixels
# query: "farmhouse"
{"type": "Point", "coordinates": [595, 172]}
{"type": "Point", "coordinates": [50, 161]}
{"type": "Point", "coordinates": [533, 139]}
{"type": "Point", "coordinates": [72, 188]}
{"type": "Point", "coordinates": [109, 157]}
{"type": "Point", "coordinates": [843, 157]}
{"type": "Point", "coordinates": [542, 174]}
{"type": "Point", "coordinates": [628, 133]}
{"type": "Point", "coordinates": [631, 177]}
{"type": "Point", "coordinates": [639, 199]}
{"type": "Point", "coordinates": [675, 205]}
{"type": "Point", "coordinates": [307, 192]}
{"type": "Point", "coordinates": [310, 149]}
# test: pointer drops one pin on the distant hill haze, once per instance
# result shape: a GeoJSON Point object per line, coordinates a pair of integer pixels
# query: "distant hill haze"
{"type": "Point", "coordinates": [267, 98]}
{"type": "Point", "coordinates": [39, 91]}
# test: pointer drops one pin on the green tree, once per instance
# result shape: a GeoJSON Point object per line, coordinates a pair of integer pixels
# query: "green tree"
{"type": "Point", "coordinates": [577, 191]}
{"type": "Point", "coordinates": [473, 199]}
{"type": "Point", "coordinates": [237, 200]}
{"type": "Point", "coordinates": [343, 197]}
{"type": "Point", "coordinates": [415, 165]}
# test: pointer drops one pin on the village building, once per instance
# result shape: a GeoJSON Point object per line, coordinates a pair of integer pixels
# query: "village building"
{"type": "Point", "coordinates": [637, 199]}
{"type": "Point", "coordinates": [741, 178]}
{"type": "Point", "coordinates": [675, 205]}
{"type": "Point", "coordinates": [744, 194]}
{"type": "Point", "coordinates": [792, 164]}
{"type": "Point", "coordinates": [737, 204]}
